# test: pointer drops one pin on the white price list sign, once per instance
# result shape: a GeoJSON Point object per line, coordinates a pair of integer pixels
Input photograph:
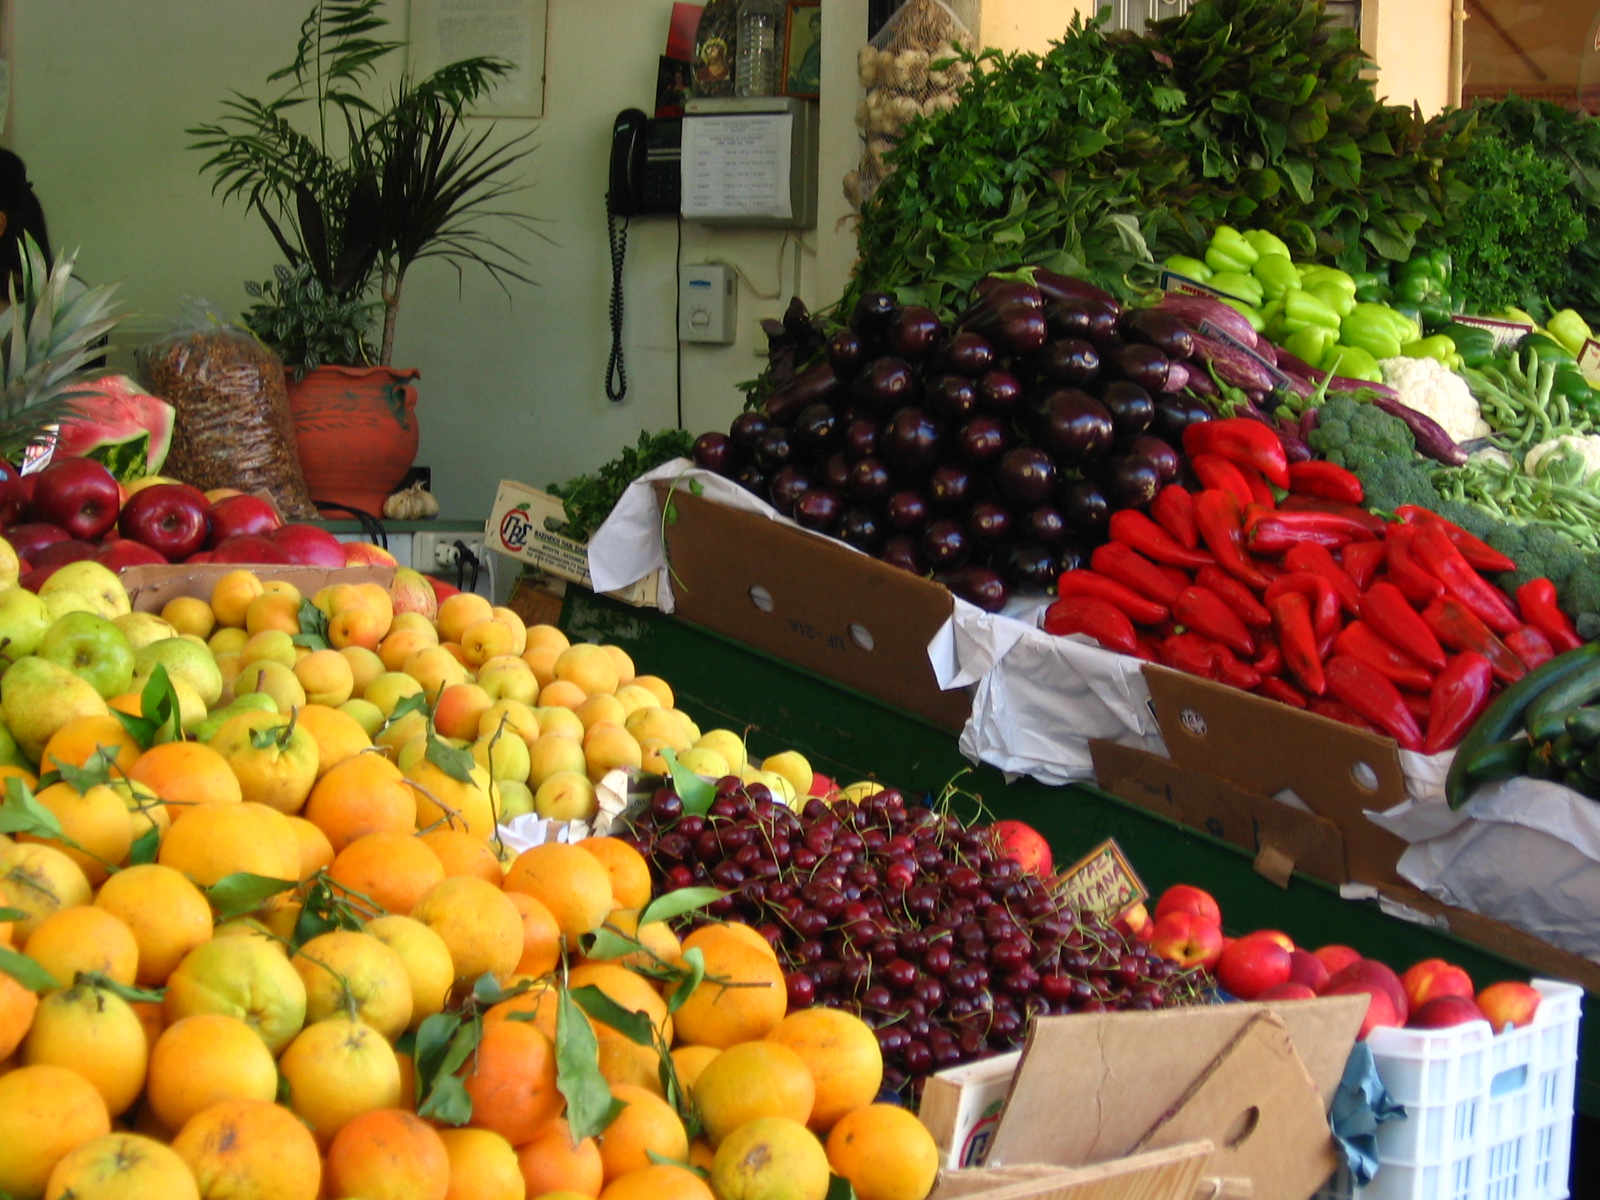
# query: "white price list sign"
{"type": "Point", "coordinates": [738, 166]}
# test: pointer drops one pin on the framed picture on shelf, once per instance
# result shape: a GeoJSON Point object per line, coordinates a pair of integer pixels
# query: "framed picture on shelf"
{"type": "Point", "coordinates": [802, 49]}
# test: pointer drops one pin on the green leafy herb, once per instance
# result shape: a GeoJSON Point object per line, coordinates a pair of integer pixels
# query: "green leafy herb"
{"type": "Point", "coordinates": [589, 499]}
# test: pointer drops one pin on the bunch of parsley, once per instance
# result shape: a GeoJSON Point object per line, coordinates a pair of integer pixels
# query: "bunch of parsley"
{"type": "Point", "coordinates": [589, 499]}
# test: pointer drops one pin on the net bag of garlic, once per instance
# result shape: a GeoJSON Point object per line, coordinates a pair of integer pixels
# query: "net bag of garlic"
{"type": "Point", "coordinates": [905, 72]}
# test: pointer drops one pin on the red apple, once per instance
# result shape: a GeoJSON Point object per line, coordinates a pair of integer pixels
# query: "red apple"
{"type": "Point", "coordinates": [1277, 935]}
{"type": "Point", "coordinates": [1180, 897]}
{"type": "Point", "coordinates": [1251, 965]}
{"type": "Point", "coordinates": [1444, 1011]}
{"type": "Point", "coordinates": [31, 537]}
{"type": "Point", "coordinates": [125, 552]}
{"type": "Point", "coordinates": [822, 785]}
{"type": "Point", "coordinates": [167, 517]}
{"type": "Point", "coordinates": [239, 514]}
{"type": "Point", "coordinates": [366, 554]}
{"type": "Point", "coordinates": [79, 495]}
{"type": "Point", "coordinates": [442, 591]}
{"type": "Point", "coordinates": [59, 554]}
{"type": "Point", "coordinates": [247, 548]}
{"type": "Point", "coordinates": [1508, 1005]}
{"type": "Point", "coordinates": [13, 495]}
{"type": "Point", "coordinates": [1187, 939]}
{"type": "Point", "coordinates": [1370, 970]}
{"type": "Point", "coordinates": [1433, 977]}
{"type": "Point", "coordinates": [1336, 958]}
{"type": "Point", "coordinates": [1023, 842]}
{"type": "Point", "coordinates": [1288, 991]}
{"type": "Point", "coordinates": [308, 546]}
{"type": "Point", "coordinates": [1380, 1007]}
{"type": "Point", "coordinates": [201, 556]}
{"type": "Point", "coordinates": [1306, 968]}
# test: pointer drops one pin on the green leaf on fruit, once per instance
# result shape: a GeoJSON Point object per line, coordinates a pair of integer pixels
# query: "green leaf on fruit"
{"type": "Point", "coordinates": [486, 989]}
{"type": "Point", "coordinates": [313, 623]}
{"type": "Point", "coordinates": [26, 971]}
{"type": "Point", "coordinates": [447, 1102]}
{"type": "Point", "coordinates": [159, 702]}
{"type": "Point", "coordinates": [431, 1042]}
{"type": "Point", "coordinates": [696, 793]}
{"type": "Point", "coordinates": [590, 1105]}
{"type": "Point", "coordinates": [444, 1043]}
{"type": "Point", "coordinates": [452, 760]}
{"type": "Point", "coordinates": [634, 1026]}
{"type": "Point", "coordinates": [240, 893]}
{"type": "Point", "coordinates": [678, 902]}
{"type": "Point", "coordinates": [146, 846]}
{"type": "Point", "coordinates": [133, 995]}
{"type": "Point", "coordinates": [96, 770]}
{"type": "Point", "coordinates": [21, 813]}
{"type": "Point", "coordinates": [840, 1188]}
{"type": "Point", "coordinates": [266, 737]}
{"type": "Point", "coordinates": [13, 914]}
{"type": "Point", "coordinates": [311, 923]}
{"type": "Point", "coordinates": [696, 964]}
{"type": "Point", "coordinates": [141, 729]}
{"type": "Point", "coordinates": [606, 943]}
{"type": "Point", "coordinates": [310, 641]}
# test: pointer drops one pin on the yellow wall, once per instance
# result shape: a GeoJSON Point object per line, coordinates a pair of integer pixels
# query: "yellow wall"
{"type": "Point", "coordinates": [1410, 39]}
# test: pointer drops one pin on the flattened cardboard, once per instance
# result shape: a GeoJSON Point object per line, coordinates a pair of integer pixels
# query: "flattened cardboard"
{"type": "Point", "coordinates": [813, 602]}
{"type": "Point", "coordinates": [149, 588]}
{"type": "Point", "coordinates": [961, 1106]}
{"type": "Point", "coordinates": [1171, 1174]}
{"type": "Point", "coordinates": [1267, 747]}
{"type": "Point", "coordinates": [1202, 801]}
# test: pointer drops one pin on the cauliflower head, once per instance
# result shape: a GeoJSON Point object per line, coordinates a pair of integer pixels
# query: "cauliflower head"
{"type": "Point", "coordinates": [1433, 389]}
{"type": "Point", "coordinates": [1570, 459]}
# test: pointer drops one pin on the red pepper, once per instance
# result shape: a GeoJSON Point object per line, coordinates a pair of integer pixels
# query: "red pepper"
{"type": "Point", "coordinates": [1371, 522]}
{"type": "Point", "coordinates": [1235, 672]}
{"type": "Point", "coordinates": [1291, 621]}
{"type": "Point", "coordinates": [1340, 524]}
{"type": "Point", "coordinates": [1361, 561]}
{"type": "Point", "coordinates": [1282, 692]}
{"type": "Point", "coordinates": [1420, 707]}
{"type": "Point", "coordinates": [1216, 515]}
{"type": "Point", "coordinates": [1536, 600]}
{"type": "Point", "coordinates": [1342, 713]}
{"type": "Point", "coordinates": [1531, 646]}
{"type": "Point", "coordinates": [1270, 660]}
{"type": "Point", "coordinates": [1385, 608]}
{"type": "Point", "coordinates": [1438, 555]}
{"type": "Point", "coordinates": [1239, 597]}
{"type": "Point", "coordinates": [1193, 653]}
{"type": "Point", "coordinates": [1173, 510]}
{"type": "Point", "coordinates": [1326, 481]}
{"type": "Point", "coordinates": [1417, 585]}
{"type": "Point", "coordinates": [1242, 440]}
{"type": "Point", "coordinates": [1458, 627]}
{"type": "Point", "coordinates": [1132, 569]}
{"type": "Point", "coordinates": [1365, 690]}
{"type": "Point", "coordinates": [1206, 612]}
{"type": "Point", "coordinates": [1360, 640]}
{"type": "Point", "coordinates": [1214, 471]}
{"type": "Point", "coordinates": [1308, 556]}
{"type": "Point", "coordinates": [1147, 650]}
{"type": "Point", "coordinates": [1139, 609]}
{"type": "Point", "coordinates": [1138, 532]}
{"type": "Point", "coordinates": [1260, 490]}
{"type": "Point", "coordinates": [1099, 619]}
{"type": "Point", "coordinates": [1479, 553]}
{"type": "Point", "coordinates": [1273, 537]}
{"type": "Point", "coordinates": [1459, 696]}
{"type": "Point", "coordinates": [1324, 602]}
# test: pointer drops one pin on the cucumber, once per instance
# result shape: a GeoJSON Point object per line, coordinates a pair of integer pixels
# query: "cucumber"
{"type": "Point", "coordinates": [1541, 765]}
{"type": "Point", "coordinates": [1502, 717]}
{"type": "Point", "coordinates": [1584, 725]}
{"type": "Point", "coordinates": [1565, 752]}
{"type": "Point", "coordinates": [1556, 701]}
{"type": "Point", "coordinates": [1578, 782]}
{"type": "Point", "coordinates": [1499, 760]}
{"type": "Point", "coordinates": [1546, 727]}
{"type": "Point", "coordinates": [1590, 766]}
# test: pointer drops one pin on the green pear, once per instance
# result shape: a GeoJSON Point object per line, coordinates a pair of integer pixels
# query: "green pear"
{"type": "Point", "coordinates": [95, 582]}
{"type": "Point", "coordinates": [24, 617]}
{"type": "Point", "coordinates": [142, 628]}
{"type": "Point", "coordinates": [190, 661]}
{"type": "Point", "coordinates": [249, 702]}
{"type": "Point", "coordinates": [92, 648]}
{"type": "Point", "coordinates": [10, 753]}
{"type": "Point", "coordinates": [38, 697]}
{"type": "Point", "coordinates": [62, 603]}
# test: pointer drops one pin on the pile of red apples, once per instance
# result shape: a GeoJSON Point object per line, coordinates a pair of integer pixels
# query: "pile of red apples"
{"type": "Point", "coordinates": [75, 509]}
{"type": "Point", "coordinates": [1267, 965]}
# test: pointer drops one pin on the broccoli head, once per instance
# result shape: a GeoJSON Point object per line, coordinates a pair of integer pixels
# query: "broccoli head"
{"type": "Point", "coordinates": [1378, 448]}
{"type": "Point", "coordinates": [1579, 595]}
{"type": "Point", "coordinates": [1538, 550]}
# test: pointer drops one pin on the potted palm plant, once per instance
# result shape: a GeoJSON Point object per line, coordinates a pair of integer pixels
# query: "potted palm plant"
{"type": "Point", "coordinates": [357, 180]}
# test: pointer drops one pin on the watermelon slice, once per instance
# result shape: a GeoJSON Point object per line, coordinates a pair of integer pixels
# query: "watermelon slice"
{"type": "Point", "coordinates": [119, 423]}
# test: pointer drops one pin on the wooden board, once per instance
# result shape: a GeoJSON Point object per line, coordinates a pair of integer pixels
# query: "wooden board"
{"type": "Point", "coordinates": [1168, 1174]}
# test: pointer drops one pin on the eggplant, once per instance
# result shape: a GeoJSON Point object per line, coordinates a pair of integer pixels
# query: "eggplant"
{"type": "Point", "coordinates": [1071, 361]}
{"type": "Point", "coordinates": [900, 550]}
{"type": "Point", "coordinates": [834, 471]}
{"type": "Point", "coordinates": [1012, 327]}
{"type": "Point", "coordinates": [1072, 425]}
{"type": "Point", "coordinates": [1178, 377]}
{"type": "Point", "coordinates": [861, 528]}
{"type": "Point", "coordinates": [746, 431]}
{"type": "Point", "coordinates": [860, 437]}
{"type": "Point", "coordinates": [951, 487]}
{"type": "Point", "coordinates": [885, 384]}
{"type": "Point", "coordinates": [1130, 407]}
{"type": "Point", "coordinates": [1233, 367]}
{"type": "Point", "coordinates": [817, 427]}
{"type": "Point", "coordinates": [1201, 383]}
{"type": "Point", "coordinates": [815, 385]}
{"type": "Point", "coordinates": [1026, 475]}
{"type": "Point", "coordinates": [978, 586]}
{"type": "Point", "coordinates": [914, 332]}
{"type": "Point", "coordinates": [1144, 365]}
{"type": "Point", "coordinates": [1057, 287]}
{"type": "Point", "coordinates": [1159, 453]}
{"type": "Point", "coordinates": [714, 452]}
{"type": "Point", "coordinates": [1086, 508]}
{"type": "Point", "coordinates": [968, 354]}
{"type": "Point", "coordinates": [912, 440]}
{"type": "Point", "coordinates": [906, 511]}
{"type": "Point", "coordinates": [999, 392]}
{"type": "Point", "coordinates": [989, 523]}
{"type": "Point", "coordinates": [944, 543]}
{"type": "Point", "coordinates": [1294, 446]}
{"type": "Point", "coordinates": [869, 480]}
{"type": "Point", "coordinates": [997, 289]}
{"type": "Point", "coordinates": [819, 509]}
{"type": "Point", "coordinates": [752, 479]}
{"type": "Point", "coordinates": [1045, 525]}
{"type": "Point", "coordinates": [1132, 482]}
{"type": "Point", "coordinates": [871, 315]}
{"type": "Point", "coordinates": [846, 350]}
{"type": "Point", "coordinates": [1192, 310]}
{"type": "Point", "coordinates": [951, 397]}
{"type": "Point", "coordinates": [1028, 567]}
{"type": "Point", "coordinates": [1071, 556]}
{"type": "Point", "coordinates": [774, 448]}
{"type": "Point", "coordinates": [1160, 329]}
{"type": "Point", "coordinates": [1174, 414]}
{"type": "Point", "coordinates": [982, 440]}
{"type": "Point", "coordinates": [1431, 438]}
{"type": "Point", "coordinates": [1093, 321]}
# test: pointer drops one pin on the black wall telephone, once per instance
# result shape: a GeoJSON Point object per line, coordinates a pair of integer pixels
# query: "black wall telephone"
{"type": "Point", "coordinates": [646, 178]}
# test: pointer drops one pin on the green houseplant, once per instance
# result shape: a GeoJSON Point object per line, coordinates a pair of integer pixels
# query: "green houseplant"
{"type": "Point", "coordinates": [357, 179]}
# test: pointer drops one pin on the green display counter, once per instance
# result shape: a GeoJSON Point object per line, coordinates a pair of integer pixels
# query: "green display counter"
{"type": "Point", "coordinates": [849, 736]}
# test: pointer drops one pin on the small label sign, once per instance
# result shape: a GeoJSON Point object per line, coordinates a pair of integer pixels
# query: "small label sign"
{"type": "Point", "coordinates": [1506, 333]}
{"type": "Point", "coordinates": [1171, 281]}
{"type": "Point", "coordinates": [1589, 362]}
{"type": "Point", "coordinates": [1103, 881]}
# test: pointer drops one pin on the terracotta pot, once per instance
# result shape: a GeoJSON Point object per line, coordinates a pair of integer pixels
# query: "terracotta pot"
{"type": "Point", "coordinates": [356, 431]}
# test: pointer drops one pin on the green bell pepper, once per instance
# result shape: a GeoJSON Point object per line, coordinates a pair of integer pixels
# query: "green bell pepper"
{"type": "Point", "coordinates": [1189, 268]}
{"type": "Point", "coordinates": [1238, 285]}
{"type": "Point", "coordinates": [1570, 329]}
{"type": "Point", "coordinates": [1352, 362]}
{"type": "Point", "coordinates": [1276, 275]}
{"type": "Point", "coordinates": [1305, 307]}
{"type": "Point", "coordinates": [1424, 282]}
{"type": "Point", "coordinates": [1438, 347]}
{"type": "Point", "coordinates": [1377, 330]}
{"type": "Point", "coordinates": [1336, 298]}
{"type": "Point", "coordinates": [1476, 346]}
{"type": "Point", "coordinates": [1315, 276]}
{"type": "Point", "coordinates": [1311, 344]}
{"type": "Point", "coordinates": [1549, 349]}
{"type": "Point", "coordinates": [1229, 251]}
{"type": "Point", "coordinates": [1248, 311]}
{"type": "Point", "coordinates": [1571, 386]}
{"type": "Point", "coordinates": [1267, 243]}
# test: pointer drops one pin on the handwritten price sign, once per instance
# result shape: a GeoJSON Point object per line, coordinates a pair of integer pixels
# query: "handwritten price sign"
{"type": "Point", "coordinates": [1102, 881]}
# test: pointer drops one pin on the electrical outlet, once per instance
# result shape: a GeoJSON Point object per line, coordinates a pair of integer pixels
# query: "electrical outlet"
{"type": "Point", "coordinates": [440, 551]}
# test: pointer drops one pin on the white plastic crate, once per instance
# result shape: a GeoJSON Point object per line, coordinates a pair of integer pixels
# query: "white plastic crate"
{"type": "Point", "coordinates": [1487, 1117]}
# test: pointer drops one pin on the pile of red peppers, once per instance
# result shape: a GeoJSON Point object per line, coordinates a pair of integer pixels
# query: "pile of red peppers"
{"type": "Point", "coordinates": [1274, 579]}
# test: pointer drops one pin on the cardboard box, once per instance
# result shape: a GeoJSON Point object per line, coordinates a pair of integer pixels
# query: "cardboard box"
{"type": "Point", "coordinates": [1172, 1174]}
{"type": "Point", "coordinates": [520, 527]}
{"type": "Point", "coordinates": [149, 588]}
{"type": "Point", "coordinates": [813, 602]}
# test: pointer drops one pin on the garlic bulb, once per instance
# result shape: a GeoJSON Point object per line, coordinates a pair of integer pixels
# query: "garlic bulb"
{"type": "Point", "coordinates": [414, 503]}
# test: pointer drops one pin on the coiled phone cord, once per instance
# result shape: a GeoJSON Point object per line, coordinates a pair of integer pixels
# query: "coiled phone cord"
{"type": "Point", "coordinates": [616, 372]}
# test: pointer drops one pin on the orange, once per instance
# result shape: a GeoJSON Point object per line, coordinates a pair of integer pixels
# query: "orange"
{"type": "Point", "coordinates": [478, 923]}
{"type": "Point", "coordinates": [628, 989]}
{"type": "Point", "coordinates": [770, 1158]}
{"type": "Point", "coordinates": [885, 1153]}
{"type": "Point", "coordinates": [316, 851]}
{"type": "Point", "coordinates": [444, 800]}
{"type": "Point", "coordinates": [658, 1181]}
{"type": "Point", "coordinates": [250, 1150]}
{"type": "Point", "coordinates": [573, 884]}
{"type": "Point", "coordinates": [217, 839]}
{"type": "Point", "coordinates": [629, 871]}
{"type": "Point", "coordinates": [243, 977]}
{"type": "Point", "coordinates": [121, 1166]}
{"type": "Point", "coordinates": [483, 1166]}
{"type": "Point", "coordinates": [166, 913]}
{"type": "Point", "coordinates": [97, 834]}
{"type": "Point", "coordinates": [843, 1056]}
{"type": "Point", "coordinates": [541, 936]}
{"type": "Point", "coordinates": [657, 944]}
{"type": "Point", "coordinates": [537, 1005]}
{"type": "Point", "coordinates": [202, 1060]}
{"type": "Point", "coordinates": [17, 1006]}
{"type": "Point", "coordinates": [647, 1125]}
{"type": "Point", "coordinates": [701, 1155]}
{"type": "Point", "coordinates": [750, 1080]}
{"type": "Point", "coordinates": [552, 1162]}
{"type": "Point", "coordinates": [512, 1081]}
{"type": "Point", "coordinates": [37, 880]}
{"type": "Point", "coordinates": [387, 1154]}
{"type": "Point", "coordinates": [74, 742]}
{"type": "Point", "coordinates": [462, 854]}
{"type": "Point", "coordinates": [355, 975]}
{"type": "Point", "coordinates": [88, 939]}
{"type": "Point", "coordinates": [184, 774]}
{"type": "Point", "coordinates": [45, 1113]}
{"type": "Point", "coordinates": [338, 735]}
{"type": "Point", "coordinates": [91, 1031]}
{"type": "Point", "coordinates": [624, 1061]}
{"type": "Point", "coordinates": [363, 794]}
{"type": "Point", "coordinates": [735, 930]}
{"type": "Point", "coordinates": [392, 870]}
{"type": "Point", "coordinates": [425, 957]}
{"type": "Point", "coordinates": [278, 774]}
{"type": "Point", "coordinates": [336, 1070]}
{"type": "Point", "coordinates": [689, 1061]}
{"type": "Point", "coordinates": [717, 1014]}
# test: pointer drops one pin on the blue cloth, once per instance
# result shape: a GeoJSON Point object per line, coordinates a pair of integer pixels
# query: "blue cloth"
{"type": "Point", "coordinates": [1360, 1105]}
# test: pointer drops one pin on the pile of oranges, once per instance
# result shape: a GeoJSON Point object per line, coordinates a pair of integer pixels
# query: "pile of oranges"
{"type": "Point", "coordinates": [224, 964]}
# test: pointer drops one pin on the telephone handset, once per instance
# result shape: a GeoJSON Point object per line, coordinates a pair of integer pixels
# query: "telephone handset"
{"type": "Point", "coordinates": [646, 178]}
